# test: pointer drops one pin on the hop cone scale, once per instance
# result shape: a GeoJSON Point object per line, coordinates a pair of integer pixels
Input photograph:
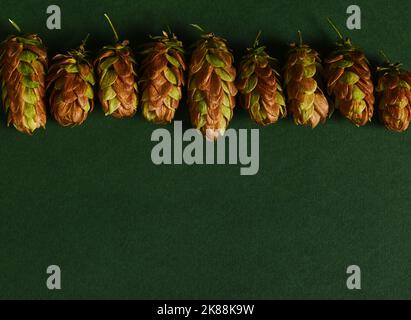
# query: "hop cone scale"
{"type": "Point", "coordinates": [162, 78]}
{"type": "Point", "coordinates": [349, 82]}
{"type": "Point", "coordinates": [211, 88]}
{"type": "Point", "coordinates": [306, 101]}
{"type": "Point", "coordinates": [394, 95]}
{"type": "Point", "coordinates": [70, 81]}
{"type": "Point", "coordinates": [259, 86]}
{"type": "Point", "coordinates": [115, 68]}
{"type": "Point", "coordinates": [23, 63]}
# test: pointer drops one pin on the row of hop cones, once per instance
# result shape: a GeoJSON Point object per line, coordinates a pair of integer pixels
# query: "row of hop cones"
{"type": "Point", "coordinates": [212, 84]}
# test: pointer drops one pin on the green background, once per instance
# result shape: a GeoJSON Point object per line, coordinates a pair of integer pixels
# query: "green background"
{"type": "Point", "coordinates": [90, 200]}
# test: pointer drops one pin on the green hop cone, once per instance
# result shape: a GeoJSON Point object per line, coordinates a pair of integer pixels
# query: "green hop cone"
{"type": "Point", "coordinates": [211, 88]}
{"type": "Point", "coordinates": [162, 78]}
{"type": "Point", "coordinates": [394, 96]}
{"type": "Point", "coordinates": [23, 64]}
{"type": "Point", "coordinates": [70, 83]}
{"type": "Point", "coordinates": [115, 67]}
{"type": "Point", "coordinates": [306, 100]}
{"type": "Point", "coordinates": [349, 82]}
{"type": "Point", "coordinates": [259, 85]}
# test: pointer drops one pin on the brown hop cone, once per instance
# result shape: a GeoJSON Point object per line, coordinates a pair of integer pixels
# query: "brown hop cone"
{"type": "Point", "coordinates": [349, 82]}
{"type": "Point", "coordinates": [394, 95]}
{"type": "Point", "coordinates": [162, 78]}
{"type": "Point", "coordinates": [259, 86]}
{"type": "Point", "coordinates": [70, 81]}
{"type": "Point", "coordinates": [211, 88]}
{"type": "Point", "coordinates": [115, 67]}
{"type": "Point", "coordinates": [23, 64]}
{"type": "Point", "coordinates": [306, 100]}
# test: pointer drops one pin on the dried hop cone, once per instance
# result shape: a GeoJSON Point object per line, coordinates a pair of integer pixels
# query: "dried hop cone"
{"type": "Point", "coordinates": [349, 82]}
{"type": "Point", "coordinates": [23, 64]}
{"type": "Point", "coordinates": [302, 76]}
{"type": "Point", "coordinates": [259, 86]}
{"type": "Point", "coordinates": [162, 78]}
{"type": "Point", "coordinates": [394, 95]}
{"type": "Point", "coordinates": [211, 88]}
{"type": "Point", "coordinates": [70, 81]}
{"type": "Point", "coordinates": [115, 67]}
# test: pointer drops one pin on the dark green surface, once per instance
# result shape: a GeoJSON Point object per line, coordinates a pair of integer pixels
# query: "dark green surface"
{"type": "Point", "coordinates": [90, 200]}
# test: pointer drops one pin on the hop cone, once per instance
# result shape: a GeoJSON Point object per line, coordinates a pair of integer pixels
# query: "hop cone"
{"type": "Point", "coordinates": [259, 86]}
{"type": "Point", "coordinates": [211, 92]}
{"type": "Point", "coordinates": [306, 100]}
{"type": "Point", "coordinates": [70, 81]}
{"type": "Point", "coordinates": [23, 61]}
{"type": "Point", "coordinates": [115, 67]}
{"type": "Point", "coordinates": [349, 82]}
{"type": "Point", "coordinates": [162, 78]}
{"type": "Point", "coordinates": [394, 95]}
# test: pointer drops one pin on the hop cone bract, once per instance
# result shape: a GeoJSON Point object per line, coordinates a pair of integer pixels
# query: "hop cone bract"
{"type": "Point", "coordinates": [260, 88]}
{"type": "Point", "coordinates": [23, 63]}
{"type": "Point", "coordinates": [306, 100]}
{"type": "Point", "coordinates": [70, 81]}
{"type": "Point", "coordinates": [211, 88]}
{"type": "Point", "coordinates": [394, 95]}
{"type": "Point", "coordinates": [349, 82]}
{"type": "Point", "coordinates": [162, 78]}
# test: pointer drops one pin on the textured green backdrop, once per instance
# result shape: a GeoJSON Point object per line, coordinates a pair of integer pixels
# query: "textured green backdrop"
{"type": "Point", "coordinates": [90, 200]}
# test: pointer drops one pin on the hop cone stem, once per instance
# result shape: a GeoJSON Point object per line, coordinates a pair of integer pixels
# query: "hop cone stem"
{"type": "Point", "coordinates": [15, 26]}
{"type": "Point", "coordinates": [116, 37]}
{"type": "Point", "coordinates": [335, 28]}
